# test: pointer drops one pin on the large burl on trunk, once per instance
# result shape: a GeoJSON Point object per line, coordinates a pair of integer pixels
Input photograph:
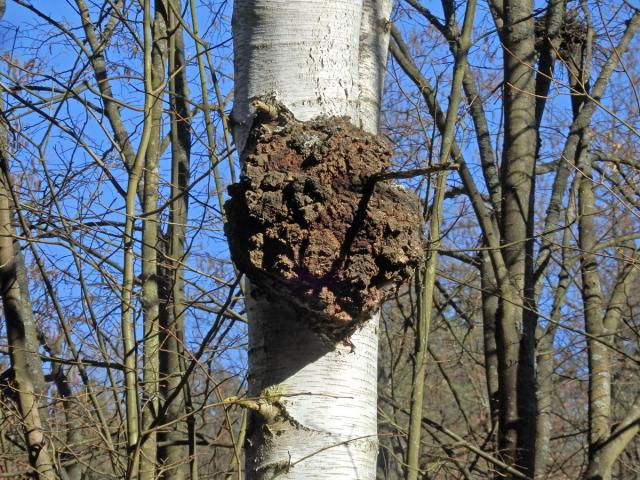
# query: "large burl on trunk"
{"type": "Point", "coordinates": [309, 223]}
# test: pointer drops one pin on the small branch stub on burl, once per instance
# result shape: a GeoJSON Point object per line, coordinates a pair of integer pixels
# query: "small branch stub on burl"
{"type": "Point", "coordinates": [309, 224]}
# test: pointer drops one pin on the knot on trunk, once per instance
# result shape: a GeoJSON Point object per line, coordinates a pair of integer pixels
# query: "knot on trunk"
{"type": "Point", "coordinates": [308, 222]}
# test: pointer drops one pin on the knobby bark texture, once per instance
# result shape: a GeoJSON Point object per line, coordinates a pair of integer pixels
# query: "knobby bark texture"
{"type": "Point", "coordinates": [317, 58]}
{"type": "Point", "coordinates": [309, 221]}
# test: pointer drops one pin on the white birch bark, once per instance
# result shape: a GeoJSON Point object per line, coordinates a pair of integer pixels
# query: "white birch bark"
{"type": "Point", "coordinates": [317, 57]}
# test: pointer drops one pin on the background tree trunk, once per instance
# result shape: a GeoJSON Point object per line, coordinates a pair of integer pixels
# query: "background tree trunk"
{"type": "Point", "coordinates": [150, 245]}
{"type": "Point", "coordinates": [173, 452]}
{"type": "Point", "coordinates": [516, 322]}
{"type": "Point", "coordinates": [22, 335]}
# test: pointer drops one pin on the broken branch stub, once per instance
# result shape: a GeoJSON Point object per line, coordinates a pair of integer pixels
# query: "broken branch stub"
{"type": "Point", "coordinates": [308, 223]}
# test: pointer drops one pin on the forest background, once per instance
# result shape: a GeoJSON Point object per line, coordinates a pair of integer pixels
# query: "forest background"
{"type": "Point", "coordinates": [94, 251]}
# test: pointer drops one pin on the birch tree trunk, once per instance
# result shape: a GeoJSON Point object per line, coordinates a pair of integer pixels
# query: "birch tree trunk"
{"type": "Point", "coordinates": [316, 57]}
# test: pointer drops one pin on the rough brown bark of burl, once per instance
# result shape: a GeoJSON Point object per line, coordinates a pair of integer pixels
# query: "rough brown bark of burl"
{"type": "Point", "coordinates": [308, 223]}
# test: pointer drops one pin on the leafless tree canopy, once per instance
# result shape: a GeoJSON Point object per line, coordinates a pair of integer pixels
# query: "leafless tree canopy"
{"type": "Point", "coordinates": [512, 352]}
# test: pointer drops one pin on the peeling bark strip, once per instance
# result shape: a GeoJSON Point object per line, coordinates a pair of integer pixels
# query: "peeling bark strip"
{"type": "Point", "coordinates": [308, 222]}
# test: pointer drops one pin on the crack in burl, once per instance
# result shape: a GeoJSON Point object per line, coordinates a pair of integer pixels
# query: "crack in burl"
{"type": "Point", "coordinates": [307, 223]}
